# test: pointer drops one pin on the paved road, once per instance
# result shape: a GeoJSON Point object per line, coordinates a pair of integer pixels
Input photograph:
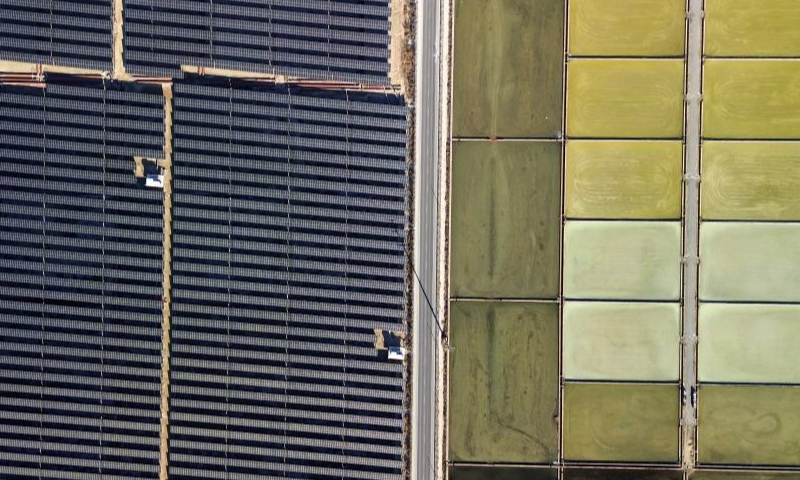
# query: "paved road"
{"type": "Point", "coordinates": [426, 208]}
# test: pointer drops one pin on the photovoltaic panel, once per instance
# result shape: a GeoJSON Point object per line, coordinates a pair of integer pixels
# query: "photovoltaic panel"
{"type": "Point", "coordinates": [66, 33]}
{"type": "Point", "coordinates": [315, 39]}
{"type": "Point", "coordinates": [288, 252]}
{"type": "Point", "coordinates": [80, 283]}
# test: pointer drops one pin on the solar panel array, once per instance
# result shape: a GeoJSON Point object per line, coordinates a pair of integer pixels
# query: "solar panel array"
{"type": "Point", "coordinates": [80, 283]}
{"type": "Point", "coordinates": [70, 33]}
{"type": "Point", "coordinates": [342, 40]}
{"type": "Point", "coordinates": [288, 251]}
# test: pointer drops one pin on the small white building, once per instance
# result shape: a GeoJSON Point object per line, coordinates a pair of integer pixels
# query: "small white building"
{"type": "Point", "coordinates": [397, 353]}
{"type": "Point", "coordinates": [154, 181]}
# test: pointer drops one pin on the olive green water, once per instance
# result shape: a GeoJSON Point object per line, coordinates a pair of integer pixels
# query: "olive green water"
{"type": "Point", "coordinates": [621, 422]}
{"type": "Point", "coordinates": [625, 98]}
{"type": "Point", "coordinates": [749, 28]}
{"type": "Point", "coordinates": [508, 68]}
{"type": "Point", "coordinates": [701, 475]}
{"type": "Point", "coordinates": [749, 425]}
{"type": "Point", "coordinates": [624, 179]}
{"type": "Point", "coordinates": [622, 28]}
{"type": "Point", "coordinates": [751, 181]}
{"type": "Point", "coordinates": [505, 211]}
{"type": "Point", "coordinates": [751, 99]}
{"type": "Point", "coordinates": [502, 473]}
{"type": "Point", "coordinates": [620, 474]}
{"type": "Point", "coordinates": [503, 382]}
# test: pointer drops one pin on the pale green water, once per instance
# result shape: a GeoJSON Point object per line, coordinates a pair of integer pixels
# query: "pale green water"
{"type": "Point", "coordinates": [753, 262]}
{"type": "Point", "coordinates": [621, 341]}
{"type": "Point", "coordinates": [749, 343]}
{"type": "Point", "coordinates": [622, 260]}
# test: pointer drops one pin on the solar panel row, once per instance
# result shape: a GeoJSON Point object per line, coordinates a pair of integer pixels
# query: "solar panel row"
{"type": "Point", "coordinates": [316, 39]}
{"type": "Point", "coordinates": [67, 33]}
{"type": "Point", "coordinates": [80, 283]}
{"type": "Point", "coordinates": [288, 251]}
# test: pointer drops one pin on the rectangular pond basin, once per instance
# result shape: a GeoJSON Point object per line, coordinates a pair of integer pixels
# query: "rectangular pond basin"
{"type": "Point", "coordinates": [749, 343]}
{"type": "Point", "coordinates": [621, 341]}
{"type": "Point", "coordinates": [747, 28]}
{"type": "Point", "coordinates": [508, 68]}
{"type": "Point", "coordinates": [625, 98]}
{"type": "Point", "coordinates": [748, 425]}
{"type": "Point", "coordinates": [620, 260]}
{"type": "Point", "coordinates": [506, 203]}
{"type": "Point", "coordinates": [638, 28]}
{"type": "Point", "coordinates": [750, 181]}
{"type": "Point", "coordinates": [750, 262]}
{"type": "Point", "coordinates": [621, 474]}
{"type": "Point", "coordinates": [751, 99]}
{"type": "Point", "coordinates": [621, 422]}
{"type": "Point", "coordinates": [493, 472]}
{"type": "Point", "coordinates": [503, 382]}
{"type": "Point", "coordinates": [718, 475]}
{"type": "Point", "coordinates": [612, 179]}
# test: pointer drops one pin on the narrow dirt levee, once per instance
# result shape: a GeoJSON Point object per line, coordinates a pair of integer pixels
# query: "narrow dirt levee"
{"type": "Point", "coordinates": [118, 60]}
{"type": "Point", "coordinates": [397, 42]}
{"type": "Point", "coordinates": [167, 282]}
{"type": "Point", "coordinates": [694, 86]}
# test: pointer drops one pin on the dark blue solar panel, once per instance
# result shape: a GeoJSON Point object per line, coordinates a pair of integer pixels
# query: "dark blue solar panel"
{"type": "Point", "coordinates": [69, 33]}
{"type": "Point", "coordinates": [317, 39]}
{"type": "Point", "coordinates": [288, 252]}
{"type": "Point", "coordinates": [80, 283]}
